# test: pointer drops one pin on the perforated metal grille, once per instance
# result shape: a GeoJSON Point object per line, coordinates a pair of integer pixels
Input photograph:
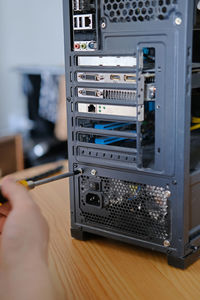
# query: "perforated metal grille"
{"type": "Point", "coordinates": [134, 209]}
{"type": "Point", "coordinates": [138, 10]}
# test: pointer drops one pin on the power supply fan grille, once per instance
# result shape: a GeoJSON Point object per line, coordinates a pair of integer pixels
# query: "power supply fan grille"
{"type": "Point", "coordinates": [134, 209]}
{"type": "Point", "coordinates": [138, 10]}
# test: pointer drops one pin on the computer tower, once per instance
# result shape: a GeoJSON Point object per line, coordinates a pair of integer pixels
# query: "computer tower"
{"type": "Point", "coordinates": [132, 82]}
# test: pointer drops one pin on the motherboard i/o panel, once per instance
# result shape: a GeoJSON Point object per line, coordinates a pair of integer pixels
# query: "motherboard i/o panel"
{"type": "Point", "coordinates": [128, 75]}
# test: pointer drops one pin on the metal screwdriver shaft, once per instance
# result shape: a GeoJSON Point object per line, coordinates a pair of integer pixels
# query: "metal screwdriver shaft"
{"type": "Point", "coordinates": [29, 185]}
{"type": "Point", "coordinates": [32, 184]}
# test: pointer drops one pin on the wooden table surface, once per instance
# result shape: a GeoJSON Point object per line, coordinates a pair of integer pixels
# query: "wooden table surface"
{"type": "Point", "coordinates": [103, 268]}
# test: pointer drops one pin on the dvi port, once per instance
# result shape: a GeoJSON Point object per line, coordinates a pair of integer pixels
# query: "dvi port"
{"type": "Point", "coordinates": [90, 77]}
{"type": "Point", "coordinates": [90, 93]}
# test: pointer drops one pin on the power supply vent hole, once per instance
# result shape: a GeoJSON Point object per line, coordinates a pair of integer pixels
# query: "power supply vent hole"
{"type": "Point", "coordinates": [136, 209]}
{"type": "Point", "coordinates": [139, 10]}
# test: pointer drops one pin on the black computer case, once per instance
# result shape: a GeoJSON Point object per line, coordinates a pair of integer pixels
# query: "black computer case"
{"type": "Point", "coordinates": [132, 82]}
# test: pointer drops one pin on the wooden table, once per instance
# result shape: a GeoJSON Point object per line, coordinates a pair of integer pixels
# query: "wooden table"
{"type": "Point", "coordinates": [102, 268]}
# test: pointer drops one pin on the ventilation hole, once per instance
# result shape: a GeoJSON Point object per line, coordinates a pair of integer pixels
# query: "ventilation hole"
{"type": "Point", "coordinates": [164, 9]}
{"type": "Point", "coordinates": [131, 208]}
{"type": "Point", "coordinates": [140, 4]}
{"type": "Point", "coordinates": [134, 5]}
{"type": "Point", "coordinates": [161, 17]}
{"type": "Point", "coordinates": [137, 11]}
{"type": "Point", "coordinates": [130, 12]}
{"type": "Point", "coordinates": [140, 10]}
{"type": "Point", "coordinates": [147, 3]}
{"type": "Point", "coordinates": [150, 11]}
{"type": "Point", "coordinates": [144, 11]}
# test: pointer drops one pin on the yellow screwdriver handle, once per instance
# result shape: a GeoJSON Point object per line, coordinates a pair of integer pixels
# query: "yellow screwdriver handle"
{"type": "Point", "coordinates": [24, 183]}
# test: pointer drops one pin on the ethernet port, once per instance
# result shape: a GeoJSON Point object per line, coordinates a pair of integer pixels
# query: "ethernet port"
{"type": "Point", "coordinates": [93, 199]}
{"type": "Point", "coordinates": [87, 21]}
{"type": "Point", "coordinates": [91, 108]}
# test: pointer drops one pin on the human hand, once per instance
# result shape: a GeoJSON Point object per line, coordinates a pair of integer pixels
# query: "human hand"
{"type": "Point", "coordinates": [25, 232]}
{"type": "Point", "coordinates": [24, 272]}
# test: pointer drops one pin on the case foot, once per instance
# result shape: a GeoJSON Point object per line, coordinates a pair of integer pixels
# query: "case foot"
{"type": "Point", "coordinates": [80, 235]}
{"type": "Point", "coordinates": [184, 262]}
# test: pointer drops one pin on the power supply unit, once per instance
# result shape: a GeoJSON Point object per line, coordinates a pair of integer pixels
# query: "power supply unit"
{"type": "Point", "coordinates": [133, 88]}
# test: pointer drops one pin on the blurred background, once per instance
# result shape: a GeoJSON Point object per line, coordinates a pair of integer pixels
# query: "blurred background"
{"type": "Point", "coordinates": [32, 88]}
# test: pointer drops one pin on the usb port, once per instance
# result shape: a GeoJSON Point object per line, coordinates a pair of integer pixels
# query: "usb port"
{"type": "Point", "coordinates": [75, 22]}
{"type": "Point", "coordinates": [80, 22]}
{"type": "Point", "coordinates": [83, 22]}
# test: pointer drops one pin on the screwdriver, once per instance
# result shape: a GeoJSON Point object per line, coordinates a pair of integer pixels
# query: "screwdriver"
{"type": "Point", "coordinates": [29, 184]}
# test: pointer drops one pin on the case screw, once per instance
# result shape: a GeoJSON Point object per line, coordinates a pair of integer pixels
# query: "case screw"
{"type": "Point", "coordinates": [178, 21]}
{"type": "Point", "coordinates": [103, 25]}
{"type": "Point", "coordinates": [166, 243]}
{"type": "Point", "coordinates": [80, 170]}
{"type": "Point", "coordinates": [93, 172]}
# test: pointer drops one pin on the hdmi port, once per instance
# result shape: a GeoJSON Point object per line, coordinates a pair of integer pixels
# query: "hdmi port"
{"type": "Point", "coordinates": [131, 78]}
{"type": "Point", "coordinates": [114, 77]}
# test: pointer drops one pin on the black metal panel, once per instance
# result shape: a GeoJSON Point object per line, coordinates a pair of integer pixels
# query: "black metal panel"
{"type": "Point", "coordinates": [137, 176]}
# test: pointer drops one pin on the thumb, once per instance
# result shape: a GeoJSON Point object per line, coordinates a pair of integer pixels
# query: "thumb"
{"type": "Point", "coordinates": [14, 192]}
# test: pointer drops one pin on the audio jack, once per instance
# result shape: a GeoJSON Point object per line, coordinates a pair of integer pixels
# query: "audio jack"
{"type": "Point", "coordinates": [29, 184]}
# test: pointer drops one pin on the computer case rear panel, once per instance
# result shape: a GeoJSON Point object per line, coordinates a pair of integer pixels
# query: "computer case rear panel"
{"type": "Point", "coordinates": [131, 91]}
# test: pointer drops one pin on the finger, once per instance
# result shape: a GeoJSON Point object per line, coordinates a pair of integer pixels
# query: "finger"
{"type": "Point", "coordinates": [5, 209]}
{"type": "Point", "coordinates": [2, 221]}
{"type": "Point", "coordinates": [14, 192]}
